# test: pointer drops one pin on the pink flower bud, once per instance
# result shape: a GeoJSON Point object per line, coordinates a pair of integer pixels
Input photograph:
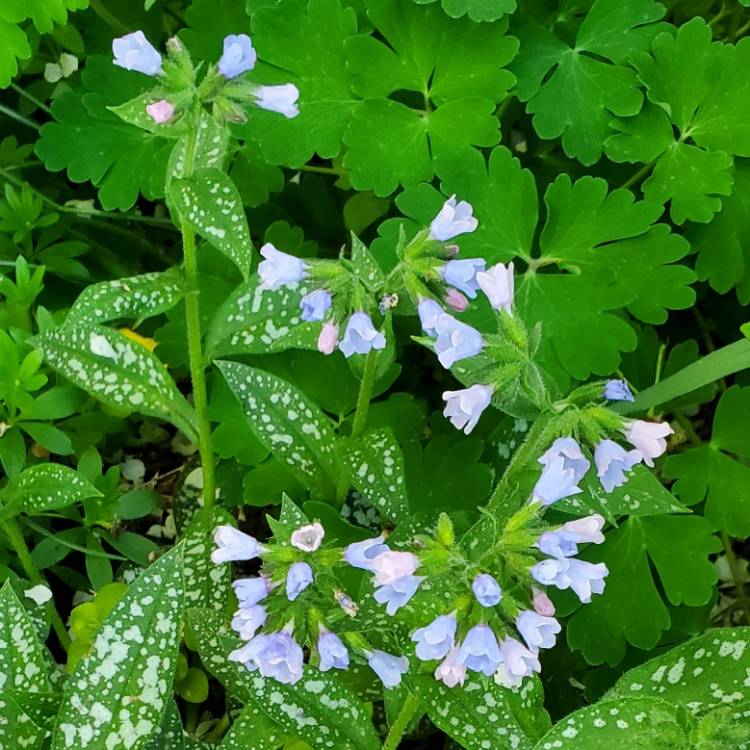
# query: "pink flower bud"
{"type": "Point", "coordinates": [543, 604]}
{"type": "Point", "coordinates": [456, 300]}
{"type": "Point", "coordinates": [328, 337]}
{"type": "Point", "coordinates": [161, 111]}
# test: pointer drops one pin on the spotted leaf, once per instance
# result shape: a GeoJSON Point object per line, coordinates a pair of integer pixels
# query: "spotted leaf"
{"type": "Point", "coordinates": [118, 694]}
{"type": "Point", "coordinates": [253, 730]}
{"type": "Point", "coordinates": [211, 203]}
{"type": "Point", "coordinates": [118, 371]}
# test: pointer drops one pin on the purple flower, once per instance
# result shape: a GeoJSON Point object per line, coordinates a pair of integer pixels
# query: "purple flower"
{"type": "Point", "coordinates": [279, 269]}
{"type": "Point", "coordinates": [250, 591]}
{"type": "Point", "coordinates": [537, 630]}
{"type": "Point", "coordinates": [333, 653]}
{"type": "Point", "coordinates": [233, 544]}
{"type": "Point", "coordinates": [487, 590]}
{"type": "Point", "coordinates": [461, 274]}
{"type": "Point", "coordinates": [435, 640]}
{"type": "Point", "coordinates": [135, 52]}
{"type": "Point", "coordinates": [612, 461]}
{"type": "Point", "coordinates": [571, 454]}
{"type": "Point", "coordinates": [584, 578]}
{"type": "Point", "coordinates": [161, 111]}
{"type": "Point", "coordinates": [455, 340]}
{"type": "Point", "coordinates": [617, 390]}
{"type": "Point", "coordinates": [452, 220]}
{"type": "Point", "coordinates": [388, 667]}
{"type": "Point", "coordinates": [308, 537]}
{"type": "Point", "coordinates": [648, 438]}
{"type": "Point", "coordinates": [299, 577]}
{"type": "Point", "coordinates": [281, 99]}
{"type": "Point", "coordinates": [498, 284]}
{"type": "Point", "coordinates": [450, 672]}
{"type": "Point", "coordinates": [238, 57]}
{"type": "Point", "coordinates": [429, 311]}
{"type": "Point", "coordinates": [518, 662]}
{"type": "Point", "coordinates": [465, 407]}
{"type": "Point", "coordinates": [315, 305]}
{"type": "Point", "coordinates": [360, 336]}
{"type": "Point", "coordinates": [275, 655]}
{"type": "Point", "coordinates": [395, 595]}
{"type": "Point", "coordinates": [454, 299]}
{"type": "Point", "coordinates": [563, 542]}
{"type": "Point", "coordinates": [247, 620]}
{"type": "Point", "coordinates": [542, 603]}
{"type": "Point", "coordinates": [555, 483]}
{"type": "Point", "coordinates": [361, 554]}
{"type": "Point", "coordinates": [479, 652]}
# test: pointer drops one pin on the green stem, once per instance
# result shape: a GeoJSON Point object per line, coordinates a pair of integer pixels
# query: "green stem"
{"type": "Point", "coordinates": [736, 576]}
{"type": "Point", "coordinates": [37, 102]}
{"type": "Point", "coordinates": [8, 112]}
{"type": "Point", "coordinates": [195, 349]}
{"type": "Point", "coordinates": [12, 530]}
{"type": "Point", "coordinates": [405, 715]}
{"type": "Point", "coordinates": [639, 175]}
{"type": "Point", "coordinates": [108, 17]}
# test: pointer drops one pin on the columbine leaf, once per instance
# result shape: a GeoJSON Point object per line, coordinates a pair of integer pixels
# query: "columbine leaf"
{"type": "Point", "coordinates": [292, 426]}
{"type": "Point", "coordinates": [45, 487]}
{"type": "Point", "coordinates": [589, 79]}
{"type": "Point", "coordinates": [118, 371]}
{"type": "Point", "coordinates": [712, 473]}
{"type": "Point", "coordinates": [678, 548]}
{"type": "Point", "coordinates": [477, 10]}
{"type": "Point", "coordinates": [137, 297]}
{"type": "Point", "coordinates": [117, 695]}
{"type": "Point", "coordinates": [318, 709]}
{"type": "Point", "coordinates": [210, 202]}
{"type": "Point", "coordinates": [704, 673]}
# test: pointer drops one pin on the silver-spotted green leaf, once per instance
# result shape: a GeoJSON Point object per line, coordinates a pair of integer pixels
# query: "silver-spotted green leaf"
{"type": "Point", "coordinates": [318, 709]}
{"type": "Point", "coordinates": [211, 142]}
{"type": "Point", "coordinates": [256, 321]}
{"type": "Point", "coordinates": [642, 495]}
{"type": "Point", "coordinates": [295, 430]}
{"type": "Point", "coordinates": [626, 724]}
{"type": "Point", "coordinates": [134, 112]}
{"type": "Point", "coordinates": [118, 371]}
{"type": "Point", "coordinates": [17, 728]}
{"type": "Point", "coordinates": [253, 730]}
{"type": "Point", "coordinates": [724, 728]}
{"type": "Point", "coordinates": [709, 671]}
{"type": "Point", "coordinates": [136, 297]}
{"type": "Point", "coordinates": [45, 487]}
{"type": "Point", "coordinates": [290, 518]}
{"type": "Point", "coordinates": [376, 468]}
{"type": "Point", "coordinates": [365, 266]}
{"type": "Point", "coordinates": [170, 736]}
{"type": "Point", "coordinates": [117, 695]}
{"type": "Point", "coordinates": [207, 585]}
{"type": "Point", "coordinates": [477, 716]}
{"type": "Point", "coordinates": [211, 203]}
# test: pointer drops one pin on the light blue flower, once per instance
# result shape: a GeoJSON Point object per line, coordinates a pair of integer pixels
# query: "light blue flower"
{"type": "Point", "coordinates": [555, 483]}
{"type": "Point", "coordinates": [281, 99]}
{"type": "Point", "coordinates": [462, 274]}
{"type": "Point", "coordinates": [465, 407]}
{"type": "Point", "coordinates": [395, 595]}
{"type": "Point", "coordinates": [617, 390]}
{"type": "Point", "coordinates": [487, 590]}
{"type": "Point", "coordinates": [279, 269]}
{"type": "Point", "coordinates": [584, 578]}
{"type": "Point", "coordinates": [612, 461]}
{"type": "Point", "coordinates": [275, 655]}
{"type": "Point", "coordinates": [387, 667]}
{"type": "Point", "coordinates": [429, 311]}
{"type": "Point", "coordinates": [299, 577]}
{"type": "Point", "coordinates": [569, 450]}
{"type": "Point", "coordinates": [333, 653]}
{"type": "Point", "coordinates": [453, 219]}
{"type": "Point", "coordinates": [435, 640]}
{"type": "Point", "coordinates": [233, 544]}
{"type": "Point", "coordinates": [238, 57]}
{"type": "Point", "coordinates": [537, 630]}
{"type": "Point", "coordinates": [361, 554]}
{"type": "Point", "coordinates": [360, 336]}
{"type": "Point", "coordinates": [455, 340]}
{"type": "Point", "coordinates": [479, 652]}
{"type": "Point", "coordinates": [563, 542]}
{"type": "Point", "coordinates": [315, 305]}
{"type": "Point", "coordinates": [250, 591]}
{"type": "Point", "coordinates": [247, 620]}
{"type": "Point", "coordinates": [135, 52]}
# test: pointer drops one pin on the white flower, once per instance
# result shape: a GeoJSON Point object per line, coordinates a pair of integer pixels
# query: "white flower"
{"type": "Point", "coordinates": [308, 538]}
{"type": "Point", "coordinates": [465, 407]}
{"type": "Point", "coordinates": [390, 566]}
{"type": "Point", "coordinates": [452, 220]}
{"type": "Point", "coordinates": [498, 284]}
{"type": "Point", "coordinates": [648, 438]}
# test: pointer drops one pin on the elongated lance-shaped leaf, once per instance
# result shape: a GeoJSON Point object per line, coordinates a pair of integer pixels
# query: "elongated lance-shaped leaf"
{"type": "Point", "coordinates": [253, 730]}
{"type": "Point", "coordinates": [365, 266]}
{"type": "Point", "coordinates": [211, 203]}
{"type": "Point", "coordinates": [170, 736]}
{"type": "Point", "coordinates": [211, 142]}
{"type": "Point", "coordinates": [44, 487]}
{"type": "Point", "coordinates": [17, 728]}
{"type": "Point", "coordinates": [292, 426]}
{"type": "Point", "coordinates": [136, 297]}
{"type": "Point", "coordinates": [118, 371]}
{"type": "Point", "coordinates": [207, 585]}
{"type": "Point", "coordinates": [117, 695]}
{"type": "Point", "coordinates": [318, 709]}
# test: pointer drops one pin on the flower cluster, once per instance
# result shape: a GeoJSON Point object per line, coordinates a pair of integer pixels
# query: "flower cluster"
{"type": "Point", "coordinates": [223, 86]}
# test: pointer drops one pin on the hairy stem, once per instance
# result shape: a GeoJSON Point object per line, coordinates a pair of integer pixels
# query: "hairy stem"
{"type": "Point", "coordinates": [195, 348]}
{"type": "Point", "coordinates": [12, 530]}
{"type": "Point", "coordinates": [405, 715]}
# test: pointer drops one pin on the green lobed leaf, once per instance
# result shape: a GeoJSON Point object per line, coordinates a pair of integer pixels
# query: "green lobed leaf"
{"type": "Point", "coordinates": [118, 694]}
{"type": "Point", "coordinates": [477, 10]}
{"type": "Point", "coordinates": [117, 371]}
{"type": "Point", "coordinates": [292, 426]}
{"type": "Point", "coordinates": [704, 673]}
